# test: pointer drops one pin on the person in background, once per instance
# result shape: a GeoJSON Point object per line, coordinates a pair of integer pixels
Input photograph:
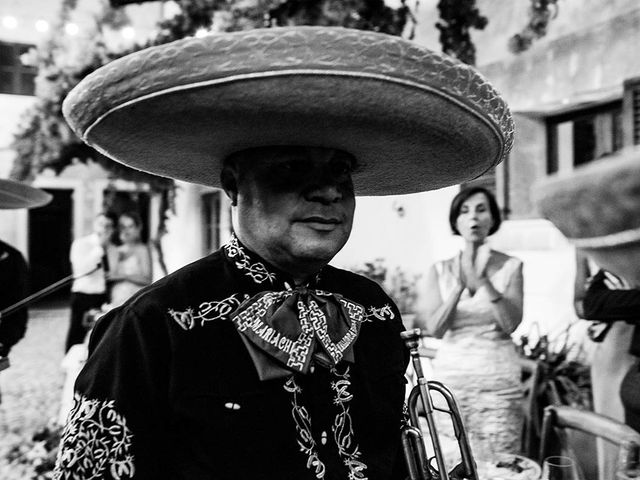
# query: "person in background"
{"type": "Point", "coordinates": [614, 305]}
{"type": "Point", "coordinates": [13, 267]}
{"type": "Point", "coordinates": [132, 268]}
{"type": "Point", "coordinates": [90, 258]}
{"type": "Point", "coordinates": [610, 358]}
{"type": "Point", "coordinates": [474, 301]}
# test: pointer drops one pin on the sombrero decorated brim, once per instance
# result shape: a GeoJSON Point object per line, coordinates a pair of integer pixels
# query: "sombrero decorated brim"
{"type": "Point", "coordinates": [597, 207]}
{"type": "Point", "coordinates": [18, 195]}
{"type": "Point", "coordinates": [416, 120]}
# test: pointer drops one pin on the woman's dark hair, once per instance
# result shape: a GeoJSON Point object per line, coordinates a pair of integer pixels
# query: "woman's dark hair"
{"type": "Point", "coordinates": [133, 215]}
{"type": "Point", "coordinates": [462, 197]}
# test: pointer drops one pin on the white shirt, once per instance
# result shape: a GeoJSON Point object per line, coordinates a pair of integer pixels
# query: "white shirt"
{"type": "Point", "coordinates": [86, 254]}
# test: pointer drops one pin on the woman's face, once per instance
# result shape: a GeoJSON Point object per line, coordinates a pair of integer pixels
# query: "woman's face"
{"type": "Point", "coordinates": [475, 220]}
{"type": "Point", "coordinates": [128, 229]}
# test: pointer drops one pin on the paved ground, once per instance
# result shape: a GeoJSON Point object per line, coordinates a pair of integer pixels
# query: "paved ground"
{"type": "Point", "coordinates": [31, 386]}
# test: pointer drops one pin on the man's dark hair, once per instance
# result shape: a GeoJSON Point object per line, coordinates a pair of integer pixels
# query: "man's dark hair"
{"type": "Point", "coordinates": [108, 215]}
{"type": "Point", "coordinates": [462, 197]}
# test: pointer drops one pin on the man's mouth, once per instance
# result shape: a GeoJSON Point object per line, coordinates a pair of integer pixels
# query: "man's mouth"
{"type": "Point", "coordinates": [321, 223]}
{"type": "Point", "coordinates": [320, 219]}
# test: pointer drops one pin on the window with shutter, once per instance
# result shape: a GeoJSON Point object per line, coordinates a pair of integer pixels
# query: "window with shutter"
{"type": "Point", "coordinates": [632, 111]}
{"type": "Point", "coordinates": [15, 78]}
{"type": "Point", "coordinates": [583, 135]}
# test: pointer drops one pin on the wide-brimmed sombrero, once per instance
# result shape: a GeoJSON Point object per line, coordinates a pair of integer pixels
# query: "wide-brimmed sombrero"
{"type": "Point", "coordinates": [598, 208]}
{"type": "Point", "coordinates": [416, 120]}
{"type": "Point", "coordinates": [18, 195]}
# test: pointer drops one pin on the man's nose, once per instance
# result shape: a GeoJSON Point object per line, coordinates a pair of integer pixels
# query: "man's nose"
{"type": "Point", "coordinates": [326, 193]}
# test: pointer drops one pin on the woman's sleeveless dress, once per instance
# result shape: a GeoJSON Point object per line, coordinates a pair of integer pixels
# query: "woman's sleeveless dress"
{"type": "Point", "coordinates": [479, 363]}
{"type": "Point", "coordinates": [127, 265]}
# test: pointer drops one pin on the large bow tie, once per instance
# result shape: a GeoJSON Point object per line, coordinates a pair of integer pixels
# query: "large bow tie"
{"type": "Point", "coordinates": [287, 331]}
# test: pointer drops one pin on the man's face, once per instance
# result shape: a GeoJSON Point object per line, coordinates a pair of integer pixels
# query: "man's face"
{"type": "Point", "coordinates": [295, 205]}
{"type": "Point", "coordinates": [103, 228]}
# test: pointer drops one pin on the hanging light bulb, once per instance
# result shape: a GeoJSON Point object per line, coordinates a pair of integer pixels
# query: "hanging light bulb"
{"type": "Point", "coordinates": [42, 26]}
{"type": "Point", "coordinates": [71, 29]}
{"type": "Point", "coordinates": [9, 22]}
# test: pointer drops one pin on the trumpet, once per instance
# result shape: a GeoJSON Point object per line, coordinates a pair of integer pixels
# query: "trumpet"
{"type": "Point", "coordinates": [418, 463]}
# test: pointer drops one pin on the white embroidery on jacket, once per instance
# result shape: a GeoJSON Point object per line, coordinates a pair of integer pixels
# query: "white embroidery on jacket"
{"type": "Point", "coordinates": [380, 313]}
{"type": "Point", "coordinates": [256, 270]}
{"type": "Point", "coordinates": [342, 427]}
{"type": "Point", "coordinates": [207, 311]}
{"type": "Point", "coordinates": [303, 426]}
{"type": "Point", "coordinates": [95, 444]}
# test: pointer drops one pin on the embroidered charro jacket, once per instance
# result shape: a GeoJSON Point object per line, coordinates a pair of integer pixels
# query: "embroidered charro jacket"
{"type": "Point", "coordinates": [179, 381]}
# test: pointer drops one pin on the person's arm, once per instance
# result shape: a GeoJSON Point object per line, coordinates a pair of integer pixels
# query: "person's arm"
{"type": "Point", "coordinates": [85, 256]}
{"type": "Point", "coordinates": [13, 327]}
{"type": "Point", "coordinates": [507, 305]}
{"type": "Point", "coordinates": [117, 427]}
{"type": "Point", "coordinates": [438, 312]}
{"type": "Point", "coordinates": [606, 305]}
{"type": "Point", "coordinates": [580, 283]}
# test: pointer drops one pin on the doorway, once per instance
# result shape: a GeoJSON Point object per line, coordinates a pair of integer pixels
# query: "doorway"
{"type": "Point", "coordinates": [50, 235]}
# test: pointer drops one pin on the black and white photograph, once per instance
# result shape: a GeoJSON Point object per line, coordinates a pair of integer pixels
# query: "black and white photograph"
{"type": "Point", "coordinates": [319, 240]}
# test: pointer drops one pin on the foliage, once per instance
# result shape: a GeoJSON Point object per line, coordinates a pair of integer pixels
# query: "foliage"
{"type": "Point", "coordinates": [565, 378]}
{"type": "Point", "coordinates": [399, 285]}
{"type": "Point", "coordinates": [457, 17]}
{"type": "Point", "coordinates": [43, 139]}
{"type": "Point", "coordinates": [38, 456]}
{"type": "Point", "coordinates": [360, 14]}
{"type": "Point", "coordinates": [541, 13]}
{"type": "Point", "coordinates": [562, 378]}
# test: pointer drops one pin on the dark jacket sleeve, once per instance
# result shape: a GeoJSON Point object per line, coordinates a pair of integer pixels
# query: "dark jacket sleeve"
{"type": "Point", "coordinates": [14, 284]}
{"type": "Point", "coordinates": [116, 428]}
{"type": "Point", "coordinates": [606, 305]}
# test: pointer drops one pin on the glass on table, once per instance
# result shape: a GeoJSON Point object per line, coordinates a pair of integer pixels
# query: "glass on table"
{"type": "Point", "coordinates": [559, 468]}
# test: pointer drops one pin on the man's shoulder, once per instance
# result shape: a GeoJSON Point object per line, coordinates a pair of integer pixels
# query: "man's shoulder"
{"type": "Point", "coordinates": [5, 247]}
{"type": "Point", "coordinates": [9, 252]}
{"type": "Point", "coordinates": [181, 290]}
{"type": "Point", "coordinates": [184, 286]}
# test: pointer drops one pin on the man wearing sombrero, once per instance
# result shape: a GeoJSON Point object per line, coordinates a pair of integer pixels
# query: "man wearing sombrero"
{"type": "Point", "coordinates": [260, 361]}
{"type": "Point", "coordinates": [13, 267]}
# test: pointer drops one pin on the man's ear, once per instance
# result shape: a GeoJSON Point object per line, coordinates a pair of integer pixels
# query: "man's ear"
{"type": "Point", "coordinates": [229, 184]}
